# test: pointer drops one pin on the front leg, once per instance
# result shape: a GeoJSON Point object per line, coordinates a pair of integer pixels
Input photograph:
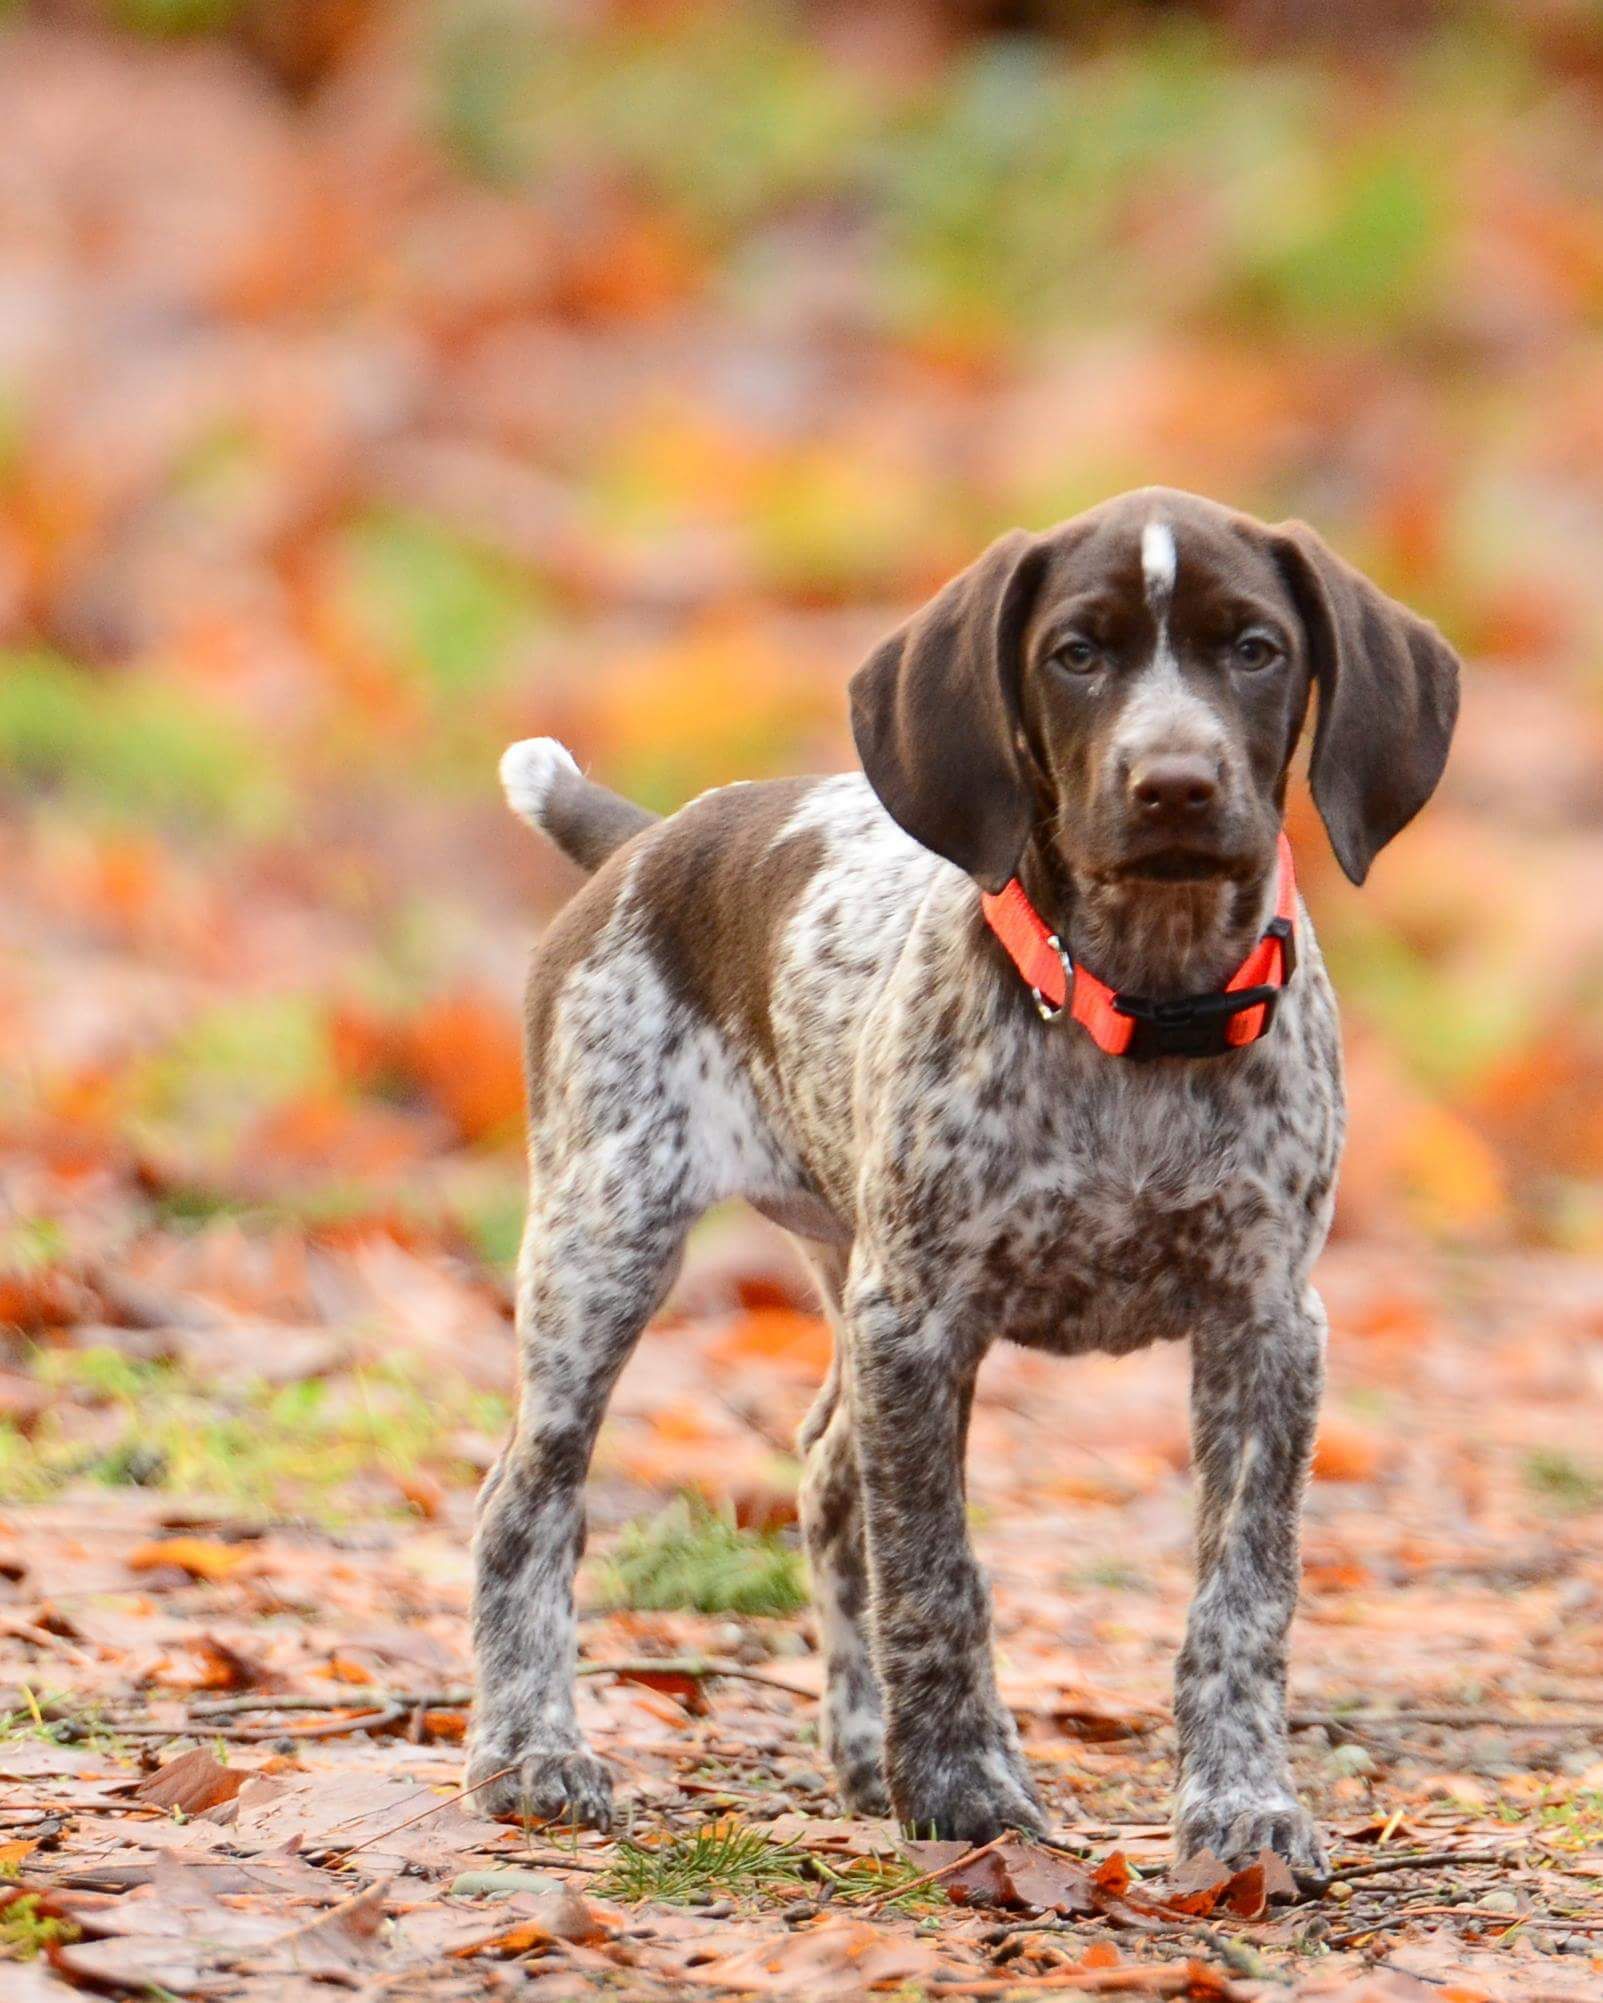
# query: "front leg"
{"type": "Point", "coordinates": [1255, 1404]}
{"type": "Point", "coordinates": [952, 1755]}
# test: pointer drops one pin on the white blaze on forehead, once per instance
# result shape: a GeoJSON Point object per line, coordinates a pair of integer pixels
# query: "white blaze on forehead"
{"type": "Point", "coordinates": [1161, 713]}
{"type": "Point", "coordinates": [1158, 560]}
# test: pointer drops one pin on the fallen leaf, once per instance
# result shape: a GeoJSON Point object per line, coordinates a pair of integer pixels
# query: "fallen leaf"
{"type": "Point", "coordinates": [688, 1691]}
{"type": "Point", "coordinates": [142, 1964]}
{"type": "Point", "coordinates": [549, 1918]}
{"type": "Point", "coordinates": [836, 1957]}
{"type": "Point", "coordinates": [1113, 1874]}
{"type": "Point", "coordinates": [200, 1557]}
{"type": "Point", "coordinates": [391, 1822]}
{"type": "Point", "coordinates": [192, 1783]}
{"type": "Point", "coordinates": [333, 1947]}
{"type": "Point", "coordinates": [1015, 1875]}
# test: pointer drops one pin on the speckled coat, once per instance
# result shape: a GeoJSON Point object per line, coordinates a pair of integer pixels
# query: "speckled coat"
{"type": "Point", "coordinates": [779, 994]}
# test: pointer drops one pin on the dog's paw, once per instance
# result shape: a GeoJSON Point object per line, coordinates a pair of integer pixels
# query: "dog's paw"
{"type": "Point", "coordinates": [861, 1786]}
{"type": "Point", "coordinates": [1235, 1834]}
{"type": "Point", "coordinates": [569, 1786]}
{"type": "Point", "coordinates": [966, 1797]}
{"type": "Point", "coordinates": [858, 1758]}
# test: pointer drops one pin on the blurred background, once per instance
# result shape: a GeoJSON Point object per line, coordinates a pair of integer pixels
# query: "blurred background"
{"type": "Point", "coordinates": [379, 383]}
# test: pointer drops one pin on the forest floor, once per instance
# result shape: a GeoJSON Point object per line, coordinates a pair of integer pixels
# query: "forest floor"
{"type": "Point", "coordinates": [230, 1760]}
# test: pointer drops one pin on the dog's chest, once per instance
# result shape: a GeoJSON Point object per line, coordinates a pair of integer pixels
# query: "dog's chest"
{"type": "Point", "coordinates": [1136, 1215]}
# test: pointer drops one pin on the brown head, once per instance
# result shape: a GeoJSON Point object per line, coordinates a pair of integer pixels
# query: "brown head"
{"type": "Point", "coordinates": [1109, 710]}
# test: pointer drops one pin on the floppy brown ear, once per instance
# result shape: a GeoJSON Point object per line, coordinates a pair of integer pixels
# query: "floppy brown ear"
{"type": "Point", "coordinates": [1388, 700]}
{"type": "Point", "coordinates": [935, 715]}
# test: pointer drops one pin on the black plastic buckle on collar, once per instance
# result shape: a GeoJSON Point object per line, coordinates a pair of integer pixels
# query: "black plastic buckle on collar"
{"type": "Point", "coordinates": [1195, 1025]}
{"type": "Point", "coordinates": [1198, 1025]}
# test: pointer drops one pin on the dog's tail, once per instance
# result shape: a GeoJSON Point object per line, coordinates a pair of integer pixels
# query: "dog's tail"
{"type": "Point", "coordinates": [545, 788]}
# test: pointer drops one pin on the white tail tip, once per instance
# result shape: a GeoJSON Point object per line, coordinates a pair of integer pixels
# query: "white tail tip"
{"type": "Point", "coordinates": [529, 770]}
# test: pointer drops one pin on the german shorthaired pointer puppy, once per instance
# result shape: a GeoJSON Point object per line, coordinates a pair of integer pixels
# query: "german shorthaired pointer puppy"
{"type": "Point", "coordinates": [846, 1000]}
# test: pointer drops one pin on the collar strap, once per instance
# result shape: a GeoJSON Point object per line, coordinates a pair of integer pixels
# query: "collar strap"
{"type": "Point", "coordinates": [1129, 1025]}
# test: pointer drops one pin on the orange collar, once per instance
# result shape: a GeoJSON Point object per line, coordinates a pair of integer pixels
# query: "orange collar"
{"type": "Point", "coordinates": [1127, 1025]}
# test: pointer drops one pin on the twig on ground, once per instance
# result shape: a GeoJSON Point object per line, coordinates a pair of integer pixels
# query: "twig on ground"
{"type": "Point", "coordinates": [1384, 1922]}
{"type": "Point", "coordinates": [1428, 1860]}
{"type": "Point", "coordinates": [431, 1700]}
{"type": "Point", "coordinates": [376, 1719]}
{"type": "Point", "coordinates": [215, 1725]}
{"type": "Point", "coordinates": [945, 1871]}
{"type": "Point", "coordinates": [691, 1665]}
{"type": "Point", "coordinates": [699, 1667]}
{"type": "Point", "coordinates": [1135, 1981]}
{"type": "Point", "coordinates": [443, 1801]}
{"type": "Point", "coordinates": [1377, 1721]}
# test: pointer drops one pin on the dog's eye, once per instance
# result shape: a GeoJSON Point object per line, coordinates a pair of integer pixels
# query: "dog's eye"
{"type": "Point", "coordinates": [1079, 657]}
{"type": "Point", "coordinates": [1254, 650]}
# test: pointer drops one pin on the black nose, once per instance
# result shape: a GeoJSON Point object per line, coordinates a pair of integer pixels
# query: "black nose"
{"type": "Point", "coordinates": [1173, 787]}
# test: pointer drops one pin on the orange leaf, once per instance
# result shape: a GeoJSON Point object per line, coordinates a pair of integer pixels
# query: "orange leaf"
{"type": "Point", "coordinates": [200, 1557]}
{"type": "Point", "coordinates": [1345, 1452]}
{"type": "Point", "coordinates": [1113, 1874]}
{"type": "Point", "coordinates": [1455, 1181]}
{"type": "Point", "coordinates": [467, 1054]}
{"type": "Point", "coordinates": [800, 1342]}
{"type": "Point", "coordinates": [690, 1691]}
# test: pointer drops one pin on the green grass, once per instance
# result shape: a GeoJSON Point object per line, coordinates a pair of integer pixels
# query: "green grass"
{"type": "Point", "coordinates": [25, 1932]}
{"type": "Point", "coordinates": [723, 115]}
{"type": "Point", "coordinates": [31, 1244]}
{"type": "Point", "coordinates": [60, 1719]}
{"type": "Point", "coordinates": [445, 611]}
{"type": "Point", "coordinates": [129, 748]}
{"type": "Point", "coordinates": [1007, 190]}
{"type": "Point", "coordinates": [1115, 1573]}
{"type": "Point", "coordinates": [1448, 1025]}
{"type": "Point", "coordinates": [230, 1064]}
{"type": "Point", "coordinates": [1558, 1478]}
{"type": "Point", "coordinates": [695, 1558]}
{"type": "Point", "coordinates": [293, 1447]}
{"type": "Point", "coordinates": [1575, 1823]}
{"type": "Point", "coordinates": [722, 1860]}
{"type": "Point", "coordinates": [727, 1860]}
{"type": "Point", "coordinates": [163, 18]}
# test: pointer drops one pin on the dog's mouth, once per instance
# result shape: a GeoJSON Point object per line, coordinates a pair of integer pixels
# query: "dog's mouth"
{"type": "Point", "coordinates": [1178, 865]}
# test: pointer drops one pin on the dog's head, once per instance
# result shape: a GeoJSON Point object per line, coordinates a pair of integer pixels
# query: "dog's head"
{"type": "Point", "coordinates": [1126, 691]}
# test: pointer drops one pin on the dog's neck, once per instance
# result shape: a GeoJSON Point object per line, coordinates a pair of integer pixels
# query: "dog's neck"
{"type": "Point", "coordinates": [1147, 937]}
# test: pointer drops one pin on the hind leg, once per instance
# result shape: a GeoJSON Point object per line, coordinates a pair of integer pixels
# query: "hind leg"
{"type": "Point", "coordinates": [852, 1723]}
{"type": "Point", "coordinates": [591, 1275]}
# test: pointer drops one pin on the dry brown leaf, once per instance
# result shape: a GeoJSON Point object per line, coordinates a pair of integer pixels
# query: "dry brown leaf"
{"type": "Point", "coordinates": [192, 1783]}
{"type": "Point", "coordinates": [1014, 1875]}
{"type": "Point", "coordinates": [333, 1947]}
{"type": "Point", "coordinates": [138, 1964]}
{"type": "Point", "coordinates": [836, 1957]}
{"type": "Point", "coordinates": [550, 1918]}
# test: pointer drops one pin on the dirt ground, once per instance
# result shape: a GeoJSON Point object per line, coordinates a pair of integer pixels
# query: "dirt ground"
{"type": "Point", "coordinates": [1445, 1691]}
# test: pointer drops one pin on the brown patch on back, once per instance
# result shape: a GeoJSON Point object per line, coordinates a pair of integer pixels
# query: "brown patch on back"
{"type": "Point", "coordinates": [714, 892]}
{"type": "Point", "coordinates": [712, 887]}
